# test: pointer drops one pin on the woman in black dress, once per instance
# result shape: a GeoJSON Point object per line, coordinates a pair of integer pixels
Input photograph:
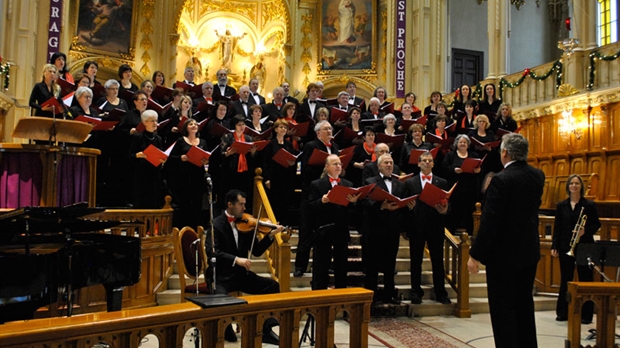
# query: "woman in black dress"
{"type": "Point", "coordinates": [59, 59]}
{"type": "Point", "coordinates": [490, 103]}
{"type": "Point", "coordinates": [466, 193]}
{"type": "Point", "coordinates": [43, 91]}
{"type": "Point", "coordinates": [504, 120]}
{"type": "Point", "coordinates": [566, 219]}
{"type": "Point", "coordinates": [459, 103]}
{"type": "Point", "coordinates": [363, 153]}
{"type": "Point", "coordinates": [146, 186]}
{"type": "Point", "coordinates": [416, 131]}
{"type": "Point", "coordinates": [280, 179]}
{"type": "Point", "coordinates": [467, 122]}
{"type": "Point", "coordinates": [186, 181]}
{"type": "Point", "coordinates": [125, 73]}
{"type": "Point", "coordinates": [431, 110]}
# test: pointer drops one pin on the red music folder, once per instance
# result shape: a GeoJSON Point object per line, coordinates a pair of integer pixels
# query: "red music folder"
{"type": "Point", "coordinates": [477, 142]}
{"type": "Point", "coordinates": [415, 154]}
{"type": "Point", "coordinates": [402, 178]}
{"type": "Point", "coordinates": [301, 129]}
{"type": "Point", "coordinates": [381, 195]}
{"type": "Point", "coordinates": [283, 157]}
{"type": "Point", "coordinates": [445, 143]}
{"type": "Point", "coordinates": [155, 156]}
{"type": "Point", "coordinates": [338, 194]}
{"type": "Point", "coordinates": [66, 87]}
{"type": "Point", "coordinates": [182, 122]}
{"type": "Point", "coordinates": [97, 123]}
{"type": "Point", "coordinates": [317, 158]}
{"type": "Point", "coordinates": [195, 91]}
{"type": "Point", "coordinates": [388, 108]}
{"type": "Point", "coordinates": [501, 132]}
{"type": "Point", "coordinates": [406, 124]}
{"type": "Point", "coordinates": [433, 195]}
{"type": "Point", "coordinates": [243, 147]}
{"type": "Point", "coordinates": [347, 150]}
{"type": "Point", "coordinates": [161, 93]}
{"type": "Point", "coordinates": [195, 155]}
{"type": "Point", "coordinates": [218, 130]}
{"type": "Point", "coordinates": [392, 141]}
{"type": "Point", "coordinates": [469, 164]}
{"type": "Point", "coordinates": [346, 159]}
{"type": "Point", "coordinates": [337, 114]}
{"type": "Point", "coordinates": [53, 101]}
{"type": "Point", "coordinates": [161, 109]}
{"type": "Point", "coordinates": [348, 134]}
{"type": "Point", "coordinates": [256, 135]}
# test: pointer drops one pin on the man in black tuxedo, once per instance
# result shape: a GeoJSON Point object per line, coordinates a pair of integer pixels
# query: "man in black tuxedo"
{"type": "Point", "coordinates": [309, 173]}
{"type": "Point", "coordinates": [310, 106]}
{"type": "Point", "coordinates": [207, 96]}
{"type": "Point", "coordinates": [371, 168]}
{"type": "Point", "coordinates": [222, 88]}
{"type": "Point", "coordinates": [255, 98]}
{"type": "Point", "coordinates": [382, 233]}
{"type": "Point", "coordinates": [373, 113]}
{"type": "Point", "coordinates": [353, 99]}
{"type": "Point", "coordinates": [330, 227]}
{"type": "Point", "coordinates": [507, 243]}
{"type": "Point", "coordinates": [232, 252]}
{"type": "Point", "coordinates": [188, 74]}
{"type": "Point", "coordinates": [287, 97]}
{"type": "Point", "coordinates": [241, 106]}
{"type": "Point", "coordinates": [426, 227]}
{"type": "Point", "coordinates": [343, 101]}
{"type": "Point", "coordinates": [274, 109]}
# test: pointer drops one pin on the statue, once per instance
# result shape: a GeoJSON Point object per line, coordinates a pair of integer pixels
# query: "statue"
{"type": "Point", "coordinates": [258, 72]}
{"type": "Point", "coordinates": [228, 43]}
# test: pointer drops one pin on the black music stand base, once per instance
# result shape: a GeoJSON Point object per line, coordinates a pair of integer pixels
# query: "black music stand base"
{"type": "Point", "coordinates": [309, 331]}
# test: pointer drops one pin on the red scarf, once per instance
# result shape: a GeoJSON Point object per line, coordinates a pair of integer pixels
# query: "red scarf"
{"type": "Point", "coordinates": [464, 122]}
{"type": "Point", "coordinates": [242, 164]}
{"type": "Point", "coordinates": [442, 136]}
{"type": "Point", "coordinates": [370, 151]}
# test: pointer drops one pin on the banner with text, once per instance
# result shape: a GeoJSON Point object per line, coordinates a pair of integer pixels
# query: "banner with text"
{"type": "Point", "coordinates": [401, 20]}
{"type": "Point", "coordinates": [53, 37]}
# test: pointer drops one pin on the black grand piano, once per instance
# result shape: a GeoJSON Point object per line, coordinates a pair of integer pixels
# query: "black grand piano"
{"type": "Point", "coordinates": [47, 251]}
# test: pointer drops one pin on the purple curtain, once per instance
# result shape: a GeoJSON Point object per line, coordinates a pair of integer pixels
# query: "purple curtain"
{"type": "Point", "coordinates": [72, 180]}
{"type": "Point", "coordinates": [21, 180]}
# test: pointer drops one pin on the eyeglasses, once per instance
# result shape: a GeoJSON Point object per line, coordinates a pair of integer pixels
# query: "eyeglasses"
{"type": "Point", "coordinates": [426, 160]}
{"type": "Point", "coordinates": [142, 99]}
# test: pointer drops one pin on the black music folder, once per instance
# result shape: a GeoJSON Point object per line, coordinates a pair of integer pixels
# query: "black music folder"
{"type": "Point", "coordinates": [217, 300]}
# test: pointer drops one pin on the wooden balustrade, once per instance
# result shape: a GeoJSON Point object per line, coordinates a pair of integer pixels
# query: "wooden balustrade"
{"type": "Point", "coordinates": [605, 297]}
{"type": "Point", "coordinates": [456, 254]}
{"type": "Point", "coordinates": [169, 323]}
{"type": "Point", "coordinates": [279, 253]}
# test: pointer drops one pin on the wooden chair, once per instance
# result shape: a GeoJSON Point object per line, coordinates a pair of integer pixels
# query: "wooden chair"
{"type": "Point", "coordinates": [185, 254]}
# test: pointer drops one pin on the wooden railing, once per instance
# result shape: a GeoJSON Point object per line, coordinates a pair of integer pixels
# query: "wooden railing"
{"type": "Point", "coordinates": [279, 253]}
{"type": "Point", "coordinates": [170, 323]}
{"type": "Point", "coordinates": [605, 297]}
{"type": "Point", "coordinates": [456, 254]}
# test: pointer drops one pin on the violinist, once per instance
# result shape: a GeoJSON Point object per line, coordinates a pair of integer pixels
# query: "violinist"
{"type": "Point", "coordinates": [233, 259]}
{"type": "Point", "coordinates": [330, 228]}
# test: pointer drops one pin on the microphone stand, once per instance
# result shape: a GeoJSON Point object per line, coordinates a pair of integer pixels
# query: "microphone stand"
{"type": "Point", "coordinates": [196, 334]}
{"type": "Point", "coordinates": [212, 260]}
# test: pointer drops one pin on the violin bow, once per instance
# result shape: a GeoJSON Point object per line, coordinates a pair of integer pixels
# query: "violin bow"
{"type": "Point", "coordinates": [260, 210]}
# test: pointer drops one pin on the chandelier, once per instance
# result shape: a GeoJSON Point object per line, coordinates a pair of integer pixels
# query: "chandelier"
{"type": "Point", "coordinates": [517, 3]}
{"type": "Point", "coordinates": [568, 125]}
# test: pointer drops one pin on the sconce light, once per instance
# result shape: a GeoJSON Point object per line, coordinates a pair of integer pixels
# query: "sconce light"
{"type": "Point", "coordinates": [569, 125]}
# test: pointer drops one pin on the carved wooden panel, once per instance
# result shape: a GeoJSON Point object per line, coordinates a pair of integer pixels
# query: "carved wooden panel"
{"type": "Point", "coordinates": [560, 167]}
{"type": "Point", "coordinates": [578, 165]}
{"type": "Point", "coordinates": [611, 178]}
{"type": "Point", "coordinates": [614, 130]}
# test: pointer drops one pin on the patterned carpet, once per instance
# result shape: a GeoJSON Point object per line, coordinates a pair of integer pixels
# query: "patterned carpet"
{"type": "Point", "coordinates": [410, 333]}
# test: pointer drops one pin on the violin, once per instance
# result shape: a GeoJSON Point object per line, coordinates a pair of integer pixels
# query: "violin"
{"type": "Point", "coordinates": [247, 223]}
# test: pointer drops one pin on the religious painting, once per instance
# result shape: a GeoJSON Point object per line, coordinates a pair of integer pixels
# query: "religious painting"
{"type": "Point", "coordinates": [348, 34]}
{"type": "Point", "coordinates": [105, 27]}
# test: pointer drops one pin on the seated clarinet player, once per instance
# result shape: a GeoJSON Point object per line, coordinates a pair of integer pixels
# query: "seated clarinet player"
{"type": "Point", "coordinates": [330, 228]}
{"type": "Point", "coordinates": [234, 265]}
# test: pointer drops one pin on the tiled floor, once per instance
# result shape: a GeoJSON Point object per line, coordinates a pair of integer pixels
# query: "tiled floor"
{"type": "Point", "coordinates": [475, 331]}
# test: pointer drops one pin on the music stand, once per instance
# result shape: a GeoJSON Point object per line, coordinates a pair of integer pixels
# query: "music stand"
{"type": "Point", "coordinates": [52, 130]}
{"type": "Point", "coordinates": [603, 253]}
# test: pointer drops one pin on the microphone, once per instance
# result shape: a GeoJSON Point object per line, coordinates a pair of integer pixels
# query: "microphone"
{"type": "Point", "coordinates": [209, 180]}
{"type": "Point", "coordinates": [64, 107]}
{"type": "Point", "coordinates": [196, 241]}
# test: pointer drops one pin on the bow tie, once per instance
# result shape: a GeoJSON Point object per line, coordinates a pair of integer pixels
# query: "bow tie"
{"type": "Point", "coordinates": [328, 144]}
{"type": "Point", "coordinates": [337, 180]}
{"type": "Point", "coordinates": [351, 98]}
{"type": "Point", "coordinates": [343, 107]}
{"type": "Point", "coordinates": [222, 86]}
{"type": "Point", "coordinates": [387, 178]}
{"type": "Point", "coordinates": [312, 101]}
{"type": "Point", "coordinates": [427, 177]}
{"type": "Point", "coordinates": [278, 104]}
{"type": "Point", "coordinates": [230, 218]}
{"type": "Point", "coordinates": [245, 103]}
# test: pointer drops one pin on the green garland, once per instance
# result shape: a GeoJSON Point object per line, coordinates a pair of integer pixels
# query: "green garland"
{"type": "Point", "coordinates": [593, 57]}
{"type": "Point", "coordinates": [557, 67]}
